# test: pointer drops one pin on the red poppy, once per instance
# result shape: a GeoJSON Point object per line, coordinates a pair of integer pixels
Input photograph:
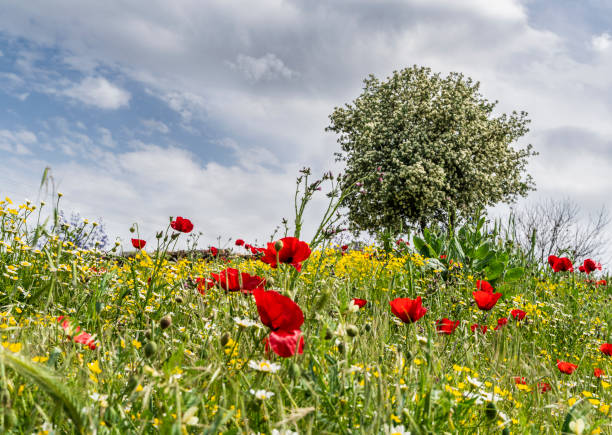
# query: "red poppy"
{"type": "Point", "coordinates": [606, 349]}
{"type": "Point", "coordinates": [601, 282]}
{"type": "Point", "coordinates": [182, 225]}
{"type": "Point", "coordinates": [285, 343]}
{"type": "Point", "coordinates": [519, 380]}
{"type": "Point", "coordinates": [446, 326]}
{"type": "Point", "coordinates": [232, 280]}
{"type": "Point", "coordinates": [485, 298]}
{"type": "Point", "coordinates": [408, 310]}
{"type": "Point", "coordinates": [81, 337]}
{"type": "Point", "coordinates": [544, 387]}
{"type": "Point", "coordinates": [589, 266]}
{"type": "Point", "coordinates": [213, 251]}
{"type": "Point", "coordinates": [239, 242]}
{"type": "Point", "coordinates": [360, 302]}
{"type": "Point", "coordinates": [278, 312]}
{"type": "Point", "coordinates": [501, 322]}
{"type": "Point", "coordinates": [484, 286]}
{"type": "Point", "coordinates": [598, 373]}
{"type": "Point", "coordinates": [138, 243]}
{"type": "Point", "coordinates": [562, 264]}
{"type": "Point", "coordinates": [442, 257]}
{"type": "Point", "coordinates": [204, 284]}
{"type": "Point", "coordinates": [518, 314]}
{"type": "Point", "coordinates": [293, 251]}
{"type": "Point", "coordinates": [566, 367]}
{"type": "Point", "coordinates": [483, 328]}
{"type": "Point", "coordinates": [344, 247]}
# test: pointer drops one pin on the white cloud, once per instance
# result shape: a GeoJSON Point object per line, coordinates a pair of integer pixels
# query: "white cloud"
{"type": "Point", "coordinates": [14, 141]}
{"type": "Point", "coordinates": [106, 137]}
{"type": "Point", "coordinates": [99, 92]}
{"type": "Point", "coordinates": [150, 183]}
{"type": "Point", "coordinates": [155, 126]}
{"type": "Point", "coordinates": [601, 42]}
{"type": "Point", "coordinates": [266, 67]}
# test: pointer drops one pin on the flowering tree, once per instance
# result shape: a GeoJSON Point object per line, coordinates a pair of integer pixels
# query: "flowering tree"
{"type": "Point", "coordinates": [422, 148]}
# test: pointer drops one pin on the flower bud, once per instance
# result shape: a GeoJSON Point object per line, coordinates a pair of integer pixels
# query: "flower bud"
{"type": "Point", "coordinates": [341, 347]}
{"type": "Point", "coordinates": [352, 331]}
{"type": "Point", "coordinates": [159, 235]}
{"type": "Point", "coordinates": [328, 334]}
{"type": "Point", "coordinates": [165, 322]}
{"type": "Point", "coordinates": [294, 371]}
{"type": "Point", "coordinates": [278, 245]}
{"type": "Point", "coordinates": [367, 327]}
{"type": "Point", "coordinates": [225, 338]}
{"type": "Point", "coordinates": [132, 229]}
{"type": "Point", "coordinates": [150, 349]}
{"type": "Point", "coordinates": [179, 299]}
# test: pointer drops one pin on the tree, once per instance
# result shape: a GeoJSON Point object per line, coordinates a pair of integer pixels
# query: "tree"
{"type": "Point", "coordinates": [421, 149]}
{"type": "Point", "coordinates": [561, 229]}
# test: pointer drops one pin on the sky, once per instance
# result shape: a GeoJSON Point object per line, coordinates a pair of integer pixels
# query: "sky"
{"type": "Point", "coordinates": [208, 109]}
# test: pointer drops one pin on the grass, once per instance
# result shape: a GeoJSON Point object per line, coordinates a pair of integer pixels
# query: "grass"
{"type": "Point", "coordinates": [362, 371]}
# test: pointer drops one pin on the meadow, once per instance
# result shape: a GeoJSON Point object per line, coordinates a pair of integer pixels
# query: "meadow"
{"type": "Point", "coordinates": [458, 333]}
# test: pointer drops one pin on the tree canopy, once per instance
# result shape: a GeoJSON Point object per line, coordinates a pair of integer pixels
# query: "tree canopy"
{"type": "Point", "coordinates": [421, 149]}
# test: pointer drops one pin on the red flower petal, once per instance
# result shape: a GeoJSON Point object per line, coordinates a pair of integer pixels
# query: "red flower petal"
{"type": "Point", "coordinates": [286, 343]}
{"type": "Point", "coordinates": [278, 312]}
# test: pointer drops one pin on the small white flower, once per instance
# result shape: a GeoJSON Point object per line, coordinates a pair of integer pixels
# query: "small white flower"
{"type": "Point", "coordinates": [398, 430]}
{"type": "Point", "coordinates": [245, 323]}
{"type": "Point", "coordinates": [264, 366]}
{"type": "Point", "coordinates": [475, 382]}
{"type": "Point", "coordinates": [422, 339]}
{"type": "Point", "coordinates": [261, 394]}
{"type": "Point", "coordinates": [355, 368]}
{"type": "Point", "coordinates": [577, 426]}
{"type": "Point", "coordinates": [353, 307]}
{"type": "Point", "coordinates": [100, 398]}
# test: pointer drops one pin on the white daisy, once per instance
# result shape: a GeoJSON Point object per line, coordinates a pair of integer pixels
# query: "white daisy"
{"type": "Point", "coordinates": [264, 366]}
{"type": "Point", "coordinates": [261, 394]}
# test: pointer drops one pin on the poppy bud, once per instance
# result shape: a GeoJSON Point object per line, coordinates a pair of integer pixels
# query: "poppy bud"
{"type": "Point", "coordinates": [490, 410]}
{"type": "Point", "coordinates": [148, 334]}
{"type": "Point", "coordinates": [328, 334]}
{"type": "Point", "coordinates": [132, 383]}
{"type": "Point", "coordinates": [278, 245]}
{"type": "Point", "coordinates": [159, 235]}
{"type": "Point", "coordinates": [225, 338]}
{"type": "Point", "coordinates": [165, 322]}
{"type": "Point", "coordinates": [179, 300]}
{"type": "Point", "coordinates": [341, 347]}
{"type": "Point", "coordinates": [322, 301]}
{"type": "Point", "coordinates": [165, 238]}
{"type": "Point", "coordinates": [150, 349]}
{"type": "Point", "coordinates": [132, 229]}
{"type": "Point", "coordinates": [352, 331]}
{"type": "Point", "coordinates": [367, 327]}
{"type": "Point", "coordinates": [5, 398]}
{"type": "Point", "coordinates": [174, 236]}
{"type": "Point", "coordinates": [294, 371]}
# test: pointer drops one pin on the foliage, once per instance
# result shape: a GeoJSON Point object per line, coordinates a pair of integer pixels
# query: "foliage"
{"type": "Point", "coordinates": [175, 355]}
{"type": "Point", "coordinates": [422, 149]}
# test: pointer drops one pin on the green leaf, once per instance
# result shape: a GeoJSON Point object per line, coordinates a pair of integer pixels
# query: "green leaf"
{"type": "Point", "coordinates": [494, 270]}
{"type": "Point", "coordinates": [423, 248]}
{"type": "Point", "coordinates": [482, 251]}
{"type": "Point", "coordinates": [514, 274]}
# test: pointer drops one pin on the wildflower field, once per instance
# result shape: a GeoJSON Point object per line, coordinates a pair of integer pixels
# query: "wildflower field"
{"type": "Point", "coordinates": [445, 333]}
